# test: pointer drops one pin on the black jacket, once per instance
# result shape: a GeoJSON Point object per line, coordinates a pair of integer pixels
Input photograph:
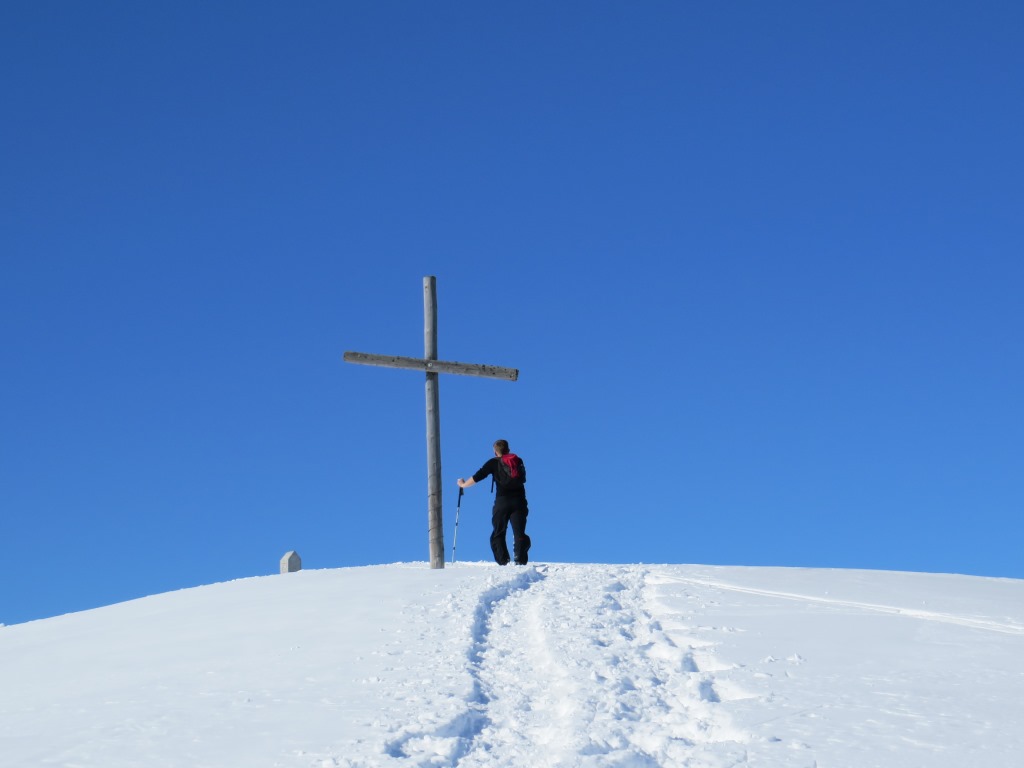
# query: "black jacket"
{"type": "Point", "coordinates": [492, 467]}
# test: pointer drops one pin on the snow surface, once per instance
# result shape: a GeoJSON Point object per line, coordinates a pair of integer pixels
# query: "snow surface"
{"type": "Point", "coordinates": [546, 665]}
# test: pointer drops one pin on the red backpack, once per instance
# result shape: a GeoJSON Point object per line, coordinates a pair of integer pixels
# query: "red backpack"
{"type": "Point", "coordinates": [511, 471]}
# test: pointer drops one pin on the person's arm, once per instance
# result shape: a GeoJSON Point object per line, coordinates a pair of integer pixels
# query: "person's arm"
{"type": "Point", "coordinates": [481, 473]}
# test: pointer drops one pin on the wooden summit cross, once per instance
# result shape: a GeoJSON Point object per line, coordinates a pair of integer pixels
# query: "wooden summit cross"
{"type": "Point", "coordinates": [433, 367]}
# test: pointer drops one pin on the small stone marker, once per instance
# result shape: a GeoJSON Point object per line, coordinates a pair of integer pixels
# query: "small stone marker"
{"type": "Point", "coordinates": [291, 562]}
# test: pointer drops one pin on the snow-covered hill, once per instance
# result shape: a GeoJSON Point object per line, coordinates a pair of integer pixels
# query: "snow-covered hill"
{"type": "Point", "coordinates": [548, 665]}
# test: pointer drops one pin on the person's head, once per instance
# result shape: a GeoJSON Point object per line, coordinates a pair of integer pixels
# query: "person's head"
{"type": "Point", "coordinates": [500, 447]}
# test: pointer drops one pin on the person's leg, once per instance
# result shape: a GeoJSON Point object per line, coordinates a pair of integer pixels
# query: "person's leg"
{"type": "Point", "coordinates": [499, 524]}
{"type": "Point", "coordinates": [521, 542]}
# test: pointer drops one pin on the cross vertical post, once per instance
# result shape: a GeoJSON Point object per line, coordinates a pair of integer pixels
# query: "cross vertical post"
{"type": "Point", "coordinates": [433, 367]}
{"type": "Point", "coordinates": [435, 527]}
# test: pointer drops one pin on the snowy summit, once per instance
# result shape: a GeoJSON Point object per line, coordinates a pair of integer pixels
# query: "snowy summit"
{"type": "Point", "coordinates": [542, 665]}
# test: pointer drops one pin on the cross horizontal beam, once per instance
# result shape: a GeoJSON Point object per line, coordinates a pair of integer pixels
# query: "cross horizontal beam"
{"type": "Point", "coordinates": [432, 366]}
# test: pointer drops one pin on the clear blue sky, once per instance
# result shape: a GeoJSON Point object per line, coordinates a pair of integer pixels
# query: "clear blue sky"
{"type": "Point", "coordinates": [761, 267]}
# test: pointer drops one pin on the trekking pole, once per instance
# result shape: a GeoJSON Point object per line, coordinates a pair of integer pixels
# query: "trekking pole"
{"type": "Point", "coordinates": [455, 538]}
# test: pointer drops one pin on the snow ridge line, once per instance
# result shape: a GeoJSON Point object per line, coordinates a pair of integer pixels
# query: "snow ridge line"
{"type": "Point", "coordinates": [990, 625]}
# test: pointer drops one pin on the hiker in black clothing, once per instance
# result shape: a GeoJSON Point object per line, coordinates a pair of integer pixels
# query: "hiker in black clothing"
{"type": "Point", "coordinates": [508, 473]}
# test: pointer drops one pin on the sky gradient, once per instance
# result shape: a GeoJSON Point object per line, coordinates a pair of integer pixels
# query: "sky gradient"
{"type": "Point", "coordinates": [760, 269]}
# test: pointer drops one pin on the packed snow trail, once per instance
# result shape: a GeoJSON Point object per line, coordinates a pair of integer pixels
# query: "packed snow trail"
{"type": "Point", "coordinates": [570, 668]}
{"type": "Point", "coordinates": [579, 673]}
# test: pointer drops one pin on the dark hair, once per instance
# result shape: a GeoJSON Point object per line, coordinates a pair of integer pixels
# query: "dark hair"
{"type": "Point", "coordinates": [501, 446]}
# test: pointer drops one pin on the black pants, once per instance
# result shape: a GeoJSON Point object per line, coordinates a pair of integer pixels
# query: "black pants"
{"type": "Point", "coordinates": [510, 511]}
